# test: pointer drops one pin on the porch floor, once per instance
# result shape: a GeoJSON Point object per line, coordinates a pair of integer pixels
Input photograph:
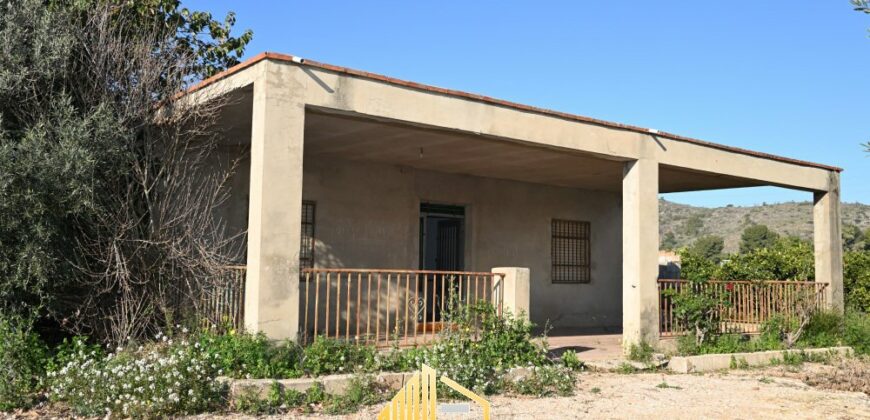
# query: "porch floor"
{"type": "Point", "coordinates": [588, 345]}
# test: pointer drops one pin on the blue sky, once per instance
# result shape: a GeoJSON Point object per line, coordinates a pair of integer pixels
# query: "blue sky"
{"type": "Point", "coordinates": [785, 77]}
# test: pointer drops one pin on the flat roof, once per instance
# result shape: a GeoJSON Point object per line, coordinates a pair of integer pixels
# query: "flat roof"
{"type": "Point", "coordinates": [493, 101]}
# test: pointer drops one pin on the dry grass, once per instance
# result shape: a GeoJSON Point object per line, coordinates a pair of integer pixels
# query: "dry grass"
{"type": "Point", "coordinates": [845, 375]}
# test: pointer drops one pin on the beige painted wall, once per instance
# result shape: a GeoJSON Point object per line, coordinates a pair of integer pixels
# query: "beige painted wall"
{"type": "Point", "coordinates": [368, 217]}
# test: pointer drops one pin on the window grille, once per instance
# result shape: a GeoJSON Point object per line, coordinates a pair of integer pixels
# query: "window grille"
{"type": "Point", "coordinates": [306, 250]}
{"type": "Point", "coordinates": [570, 251]}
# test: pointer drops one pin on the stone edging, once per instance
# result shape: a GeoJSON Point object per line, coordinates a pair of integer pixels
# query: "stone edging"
{"type": "Point", "coordinates": [711, 362]}
{"type": "Point", "coordinates": [332, 384]}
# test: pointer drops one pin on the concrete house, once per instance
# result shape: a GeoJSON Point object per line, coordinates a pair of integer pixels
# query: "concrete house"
{"type": "Point", "coordinates": [348, 170]}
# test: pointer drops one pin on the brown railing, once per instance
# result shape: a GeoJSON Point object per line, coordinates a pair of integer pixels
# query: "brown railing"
{"type": "Point", "coordinates": [224, 306]}
{"type": "Point", "coordinates": [382, 307]}
{"type": "Point", "coordinates": [750, 303]}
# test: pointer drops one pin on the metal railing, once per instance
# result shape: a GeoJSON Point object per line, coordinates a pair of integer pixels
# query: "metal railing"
{"type": "Point", "coordinates": [381, 307]}
{"type": "Point", "coordinates": [224, 306]}
{"type": "Point", "coordinates": [749, 303]}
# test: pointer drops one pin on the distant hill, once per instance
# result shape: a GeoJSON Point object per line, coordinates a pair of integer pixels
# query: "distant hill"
{"type": "Point", "coordinates": [793, 218]}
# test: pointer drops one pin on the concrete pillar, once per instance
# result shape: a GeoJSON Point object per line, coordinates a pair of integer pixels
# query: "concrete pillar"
{"type": "Point", "coordinates": [515, 289]}
{"type": "Point", "coordinates": [640, 246]}
{"type": "Point", "coordinates": [828, 242]}
{"type": "Point", "coordinates": [275, 208]}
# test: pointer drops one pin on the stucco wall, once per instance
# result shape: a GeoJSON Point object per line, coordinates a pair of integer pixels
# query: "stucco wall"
{"type": "Point", "coordinates": [368, 217]}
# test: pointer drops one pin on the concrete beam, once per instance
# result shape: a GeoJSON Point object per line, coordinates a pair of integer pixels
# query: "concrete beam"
{"type": "Point", "coordinates": [640, 245]}
{"type": "Point", "coordinates": [275, 208]}
{"type": "Point", "coordinates": [828, 242]}
{"type": "Point", "coordinates": [380, 100]}
{"type": "Point", "coordinates": [515, 289]}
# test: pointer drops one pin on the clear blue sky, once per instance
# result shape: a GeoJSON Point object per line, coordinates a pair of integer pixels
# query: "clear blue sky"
{"type": "Point", "coordinates": [785, 77]}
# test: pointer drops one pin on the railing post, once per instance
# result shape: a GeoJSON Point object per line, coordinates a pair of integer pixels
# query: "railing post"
{"type": "Point", "coordinates": [514, 289]}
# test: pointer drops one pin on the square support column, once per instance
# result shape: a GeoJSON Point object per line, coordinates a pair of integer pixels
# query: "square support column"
{"type": "Point", "coordinates": [828, 242]}
{"type": "Point", "coordinates": [275, 208]}
{"type": "Point", "coordinates": [640, 246]}
{"type": "Point", "coordinates": [515, 289]}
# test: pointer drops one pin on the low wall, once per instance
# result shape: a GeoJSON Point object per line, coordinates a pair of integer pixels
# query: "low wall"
{"type": "Point", "coordinates": [712, 362]}
{"type": "Point", "coordinates": [332, 384]}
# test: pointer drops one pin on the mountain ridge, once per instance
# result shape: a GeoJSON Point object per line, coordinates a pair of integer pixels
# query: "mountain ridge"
{"type": "Point", "coordinates": [794, 218]}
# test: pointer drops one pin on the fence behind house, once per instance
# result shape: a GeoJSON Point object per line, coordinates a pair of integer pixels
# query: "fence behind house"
{"type": "Point", "coordinates": [224, 306]}
{"type": "Point", "coordinates": [750, 303]}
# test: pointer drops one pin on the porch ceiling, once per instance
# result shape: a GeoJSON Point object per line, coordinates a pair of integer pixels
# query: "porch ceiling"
{"type": "Point", "coordinates": [345, 137]}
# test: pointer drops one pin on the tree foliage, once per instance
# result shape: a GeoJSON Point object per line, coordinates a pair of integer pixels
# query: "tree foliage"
{"type": "Point", "coordinates": [709, 247]}
{"type": "Point", "coordinates": [93, 140]}
{"type": "Point", "coordinates": [669, 241]}
{"type": "Point", "coordinates": [788, 259]}
{"type": "Point", "coordinates": [854, 239]}
{"type": "Point", "coordinates": [856, 280]}
{"type": "Point", "coordinates": [693, 225]}
{"type": "Point", "coordinates": [757, 236]}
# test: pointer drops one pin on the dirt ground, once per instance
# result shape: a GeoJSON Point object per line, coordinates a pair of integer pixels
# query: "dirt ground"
{"type": "Point", "coordinates": [770, 393]}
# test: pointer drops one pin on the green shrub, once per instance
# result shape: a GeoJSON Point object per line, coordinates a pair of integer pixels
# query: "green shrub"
{"type": "Point", "coordinates": [824, 329]}
{"type": "Point", "coordinates": [727, 343]}
{"type": "Point", "coordinates": [401, 360]}
{"type": "Point", "coordinates": [326, 356]}
{"type": "Point", "coordinates": [22, 361]}
{"type": "Point", "coordinates": [856, 331]}
{"type": "Point", "coordinates": [571, 361]}
{"type": "Point", "coordinates": [362, 391]}
{"type": "Point", "coordinates": [856, 280]}
{"type": "Point", "coordinates": [698, 308]}
{"type": "Point", "coordinates": [475, 357]}
{"type": "Point", "coordinates": [252, 356]}
{"type": "Point", "coordinates": [171, 377]}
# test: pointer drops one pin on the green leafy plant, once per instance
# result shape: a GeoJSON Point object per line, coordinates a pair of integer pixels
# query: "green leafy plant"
{"type": "Point", "coordinates": [626, 368]}
{"type": "Point", "coordinates": [856, 280]}
{"type": "Point", "coordinates": [641, 352]}
{"type": "Point", "coordinates": [362, 391]}
{"type": "Point", "coordinates": [22, 361]}
{"type": "Point", "coordinates": [326, 356]}
{"type": "Point", "coordinates": [571, 361]}
{"type": "Point", "coordinates": [478, 347]}
{"type": "Point", "coordinates": [242, 355]}
{"type": "Point", "coordinates": [697, 308]}
{"type": "Point", "coordinates": [545, 381]}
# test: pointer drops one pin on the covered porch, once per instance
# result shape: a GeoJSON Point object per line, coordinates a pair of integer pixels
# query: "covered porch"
{"type": "Point", "coordinates": [353, 179]}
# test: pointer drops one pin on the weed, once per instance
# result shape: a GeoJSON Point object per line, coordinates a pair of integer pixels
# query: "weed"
{"type": "Point", "coordinates": [641, 352]}
{"type": "Point", "coordinates": [545, 381]}
{"type": "Point", "coordinates": [626, 368]}
{"type": "Point", "coordinates": [665, 385]}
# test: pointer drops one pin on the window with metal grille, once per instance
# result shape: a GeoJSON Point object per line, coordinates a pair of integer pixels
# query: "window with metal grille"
{"type": "Point", "coordinates": [570, 249]}
{"type": "Point", "coordinates": [306, 250]}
